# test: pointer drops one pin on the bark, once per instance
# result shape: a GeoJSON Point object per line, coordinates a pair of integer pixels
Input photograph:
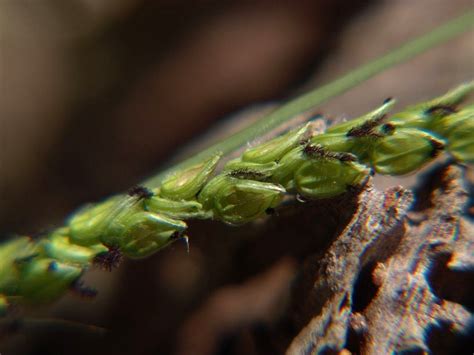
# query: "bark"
{"type": "Point", "coordinates": [394, 280]}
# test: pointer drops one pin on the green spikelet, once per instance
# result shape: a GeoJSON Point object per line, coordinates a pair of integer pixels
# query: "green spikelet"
{"type": "Point", "coordinates": [404, 151]}
{"type": "Point", "coordinates": [237, 201]}
{"type": "Point", "coordinates": [59, 246]}
{"type": "Point", "coordinates": [275, 149]}
{"type": "Point", "coordinates": [184, 185]}
{"type": "Point", "coordinates": [458, 129]}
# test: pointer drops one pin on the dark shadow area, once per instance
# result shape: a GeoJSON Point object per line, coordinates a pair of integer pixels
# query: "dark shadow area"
{"type": "Point", "coordinates": [354, 341]}
{"type": "Point", "coordinates": [452, 285]}
{"type": "Point", "coordinates": [428, 182]}
{"type": "Point", "coordinates": [412, 351]}
{"type": "Point", "coordinates": [364, 288]}
{"type": "Point", "coordinates": [442, 340]}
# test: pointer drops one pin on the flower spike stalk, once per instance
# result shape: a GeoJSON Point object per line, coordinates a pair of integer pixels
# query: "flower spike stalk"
{"type": "Point", "coordinates": [300, 162]}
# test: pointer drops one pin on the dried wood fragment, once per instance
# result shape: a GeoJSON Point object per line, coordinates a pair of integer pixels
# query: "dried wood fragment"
{"type": "Point", "coordinates": [393, 279]}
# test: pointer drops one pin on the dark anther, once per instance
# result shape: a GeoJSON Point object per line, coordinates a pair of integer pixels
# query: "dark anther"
{"type": "Point", "coordinates": [441, 110]}
{"type": "Point", "coordinates": [271, 211]}
{"type": "Point", "coordinates": [304, 142]}
{"type": "Point", "coordinates": [387, 100]}
{"type": "Point", "coordinates": [53, 266]}
{"type": "Point", "coordinates": [109, 260]}
{"type": "Point", "coordinates": [345, 157]}
{"type": "Point", "coordinates": [247, 174]}
{"type": "Point", "coordinates": [79, 288]}
{"type": "Point", "coordinates": [366, 129]}
{"type": "Point", "coordinates": [437, 145]}
{"type": "Point", "coordinates": [318, 151]}
{"type": "Point", "coordinates": [175, 236]}
{"type": "Point", "coordinates": [141, 192]}
{"type": "Point", "coordinates": [388, 128]}
{"type": "Point", "coordinates": [315, 150]}
{"type": "Point", "coordinates": [179, 236]}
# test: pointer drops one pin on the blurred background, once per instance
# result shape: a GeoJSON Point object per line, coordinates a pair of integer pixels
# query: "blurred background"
{"type": "Point", "coordinates": [98, 94]}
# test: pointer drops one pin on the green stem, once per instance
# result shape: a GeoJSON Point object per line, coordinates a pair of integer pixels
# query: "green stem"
{"type": "Point", "coordinates": [318, 96]}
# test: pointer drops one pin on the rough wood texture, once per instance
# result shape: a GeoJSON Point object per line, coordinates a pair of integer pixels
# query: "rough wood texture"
{"type": "Point", "coordinates": [393, 281]}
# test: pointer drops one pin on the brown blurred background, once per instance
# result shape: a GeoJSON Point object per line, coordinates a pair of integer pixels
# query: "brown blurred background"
{"type": "Point", "coordinates": [96, 95]}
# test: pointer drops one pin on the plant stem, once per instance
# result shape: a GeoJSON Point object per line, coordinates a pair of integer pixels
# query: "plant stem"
{"type": "Point", "coordinates": [320, 95]}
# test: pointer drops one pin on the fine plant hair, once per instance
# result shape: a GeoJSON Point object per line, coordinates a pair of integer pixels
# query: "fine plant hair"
{"type": "Point", "coordinates": [299, 163]}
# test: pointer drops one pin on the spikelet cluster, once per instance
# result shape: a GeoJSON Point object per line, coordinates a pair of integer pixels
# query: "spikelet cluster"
{"type": "Point", "coordinates": [299, 162]}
